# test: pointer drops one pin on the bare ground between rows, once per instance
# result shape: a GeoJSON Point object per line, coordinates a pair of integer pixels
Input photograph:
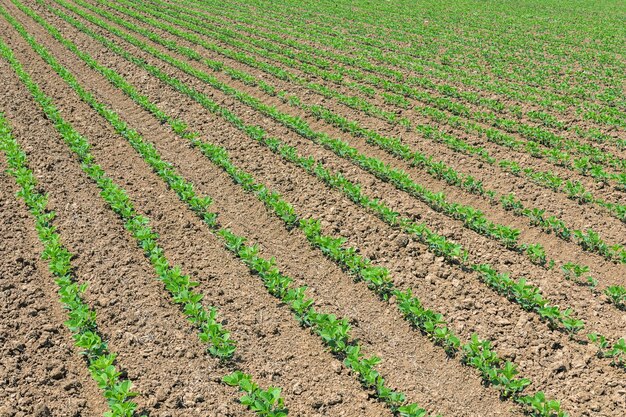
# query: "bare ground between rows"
{"type": "Point", "coordinates": [166, 364]}
{"type": "Point", "coordinates": [571, 118]}
{"type": "Point", "coordinates": [518, 182]}
{"type": "Point", "coordinates": [581, 294]}
{"type": "Point", "coordinates": [42, 373]}
{"type": "Point", "coordinates": [195, 259]}
{"type": "Point", "coordinates": [542, 347]}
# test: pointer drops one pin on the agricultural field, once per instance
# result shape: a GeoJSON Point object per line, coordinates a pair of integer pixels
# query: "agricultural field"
{"type": "Point", "coordinates": [312, 208]}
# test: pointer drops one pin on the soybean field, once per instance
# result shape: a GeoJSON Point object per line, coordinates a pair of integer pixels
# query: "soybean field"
{"type": "Point", "coordinates": [349, 208]}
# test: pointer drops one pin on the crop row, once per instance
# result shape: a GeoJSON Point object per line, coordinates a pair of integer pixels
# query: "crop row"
{"type": "Point", "coordinates": [333, 331]}
{"type": "Point", "coordinates": [533, 250]}
{"type": "Point", "coordinates": [617, 294]}
{"type": "Point", "coordinates": [251, 80]}
{"type": "Point", "coordinates": [286, 34]}
{"type": "Point", "coordinates": [573, 189]}
{"type": "Point", "coordinates": [523, 293]}
{"type": "Point", "coordinates": [81, 317]}
{"type": "Point", "coordinates": [180, 287]}
{"type": "Point", "coordinates": [442, 73]}
{"type": "Point", "coordinates": [587, 239]}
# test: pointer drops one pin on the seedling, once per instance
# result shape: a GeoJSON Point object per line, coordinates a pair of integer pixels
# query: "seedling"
{"type": "Point", "coordinates": [617, 295]}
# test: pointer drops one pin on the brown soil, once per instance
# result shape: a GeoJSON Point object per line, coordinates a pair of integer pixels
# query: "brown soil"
{"type": "Point", "coordinates": [159, 350]}
{"type": "Point", "coordinates": [575, 215]}
{"type": "Point", "coordinates": [42, 373]}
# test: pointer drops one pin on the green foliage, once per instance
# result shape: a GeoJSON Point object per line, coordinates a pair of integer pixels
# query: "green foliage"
{"type": "Point", "coordinates": [332, 330]}
{"type": "Point", "coordinates": [81, 318]}
{"type": "Point", "coordinates": [267, 402]}
{"type": "Point", "coordinates": [617, 295]}
{"type": "Point", "coordinates": [543, 407]}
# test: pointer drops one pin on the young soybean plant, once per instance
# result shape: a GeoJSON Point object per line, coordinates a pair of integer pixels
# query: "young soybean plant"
{"type": "Point", "coordinates": [265, 403]}
{"type": "Point", "coordinates": [617, 295]}
{"type": "Point", "coordinates": [617, 352]}
{"type": "Point", "coordinates": [543, 407]}
{"type": "Point", "coordinates": [575, 272]}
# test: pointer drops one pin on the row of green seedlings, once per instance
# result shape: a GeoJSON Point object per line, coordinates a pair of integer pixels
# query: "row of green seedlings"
{"type": "Point", "coordinates": [506, 235]}
{"type": "Point", "coordinates": [583, 165]}
{"type": "Point", "coordinates": [335, 332]}
{"type": "Point", "coordinates": [574, 189]}
{"type": "Point", "coordinates": [442, 245]}
{"type": "Point", "coordinates": [366, 63]}
{"type": "Point", "coordinates": [571, 270]}
{"type": "Point", "coordinates": [497, 41]}
{"type": "Point", "coordinates": [518, 290]}
{"type": "Point", "coordinates": [523, 293]}
{"type": "Point", "coordinates": [367, 56]}
{"type": "Point", "coordinates": [536, 252]}
{"type": "Point", "coordinates": [81, 317]}
{"type": "Point", "coordinates": [616, 351]}
{"type": "Point", "coordinates": [180, 286]}
{"type": "Point", "coordinates": [477, 353]}
{"type": "Point", "coordinates": [365, 28]}
{"type": "Point", "coordinates": [435, 168]}
{"type": "Point", "coordinates": [550, 96]}
{"type": "Point", "coordinates": [559, 150]}
{"type": "Point", "coordinates": [236, 17]}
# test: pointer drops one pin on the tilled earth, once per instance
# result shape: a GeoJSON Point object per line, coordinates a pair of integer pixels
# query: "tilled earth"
{"type": "Point", "coordinates": [41, 371]}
